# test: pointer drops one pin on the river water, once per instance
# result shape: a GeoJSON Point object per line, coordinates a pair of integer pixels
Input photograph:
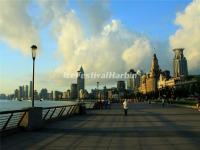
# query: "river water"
{"type": "Point", "coordinates": [15, 104]}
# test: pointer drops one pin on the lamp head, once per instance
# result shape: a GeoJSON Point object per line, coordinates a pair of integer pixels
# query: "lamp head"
{"type": "Point", "coordinates": [34, 48]}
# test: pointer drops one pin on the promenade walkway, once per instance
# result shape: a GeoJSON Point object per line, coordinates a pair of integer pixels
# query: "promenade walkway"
{"type": "Point", "coordinates": [147, 127]}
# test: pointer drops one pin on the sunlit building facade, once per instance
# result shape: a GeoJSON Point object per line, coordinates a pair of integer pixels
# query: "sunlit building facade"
{"type": "Point", "coordinates": [179, 63]}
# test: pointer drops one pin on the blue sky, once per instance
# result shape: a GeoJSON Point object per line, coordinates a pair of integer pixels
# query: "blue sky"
{"type": "Point", "coordinates": [152, 18]}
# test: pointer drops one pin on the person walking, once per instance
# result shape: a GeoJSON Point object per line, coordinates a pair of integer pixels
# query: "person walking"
{"type": "Point", "coordinates": [125, 106]}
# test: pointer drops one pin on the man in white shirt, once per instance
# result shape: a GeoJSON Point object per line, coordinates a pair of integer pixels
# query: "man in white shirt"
{"type": "Point", "coordinates": [125, 106]}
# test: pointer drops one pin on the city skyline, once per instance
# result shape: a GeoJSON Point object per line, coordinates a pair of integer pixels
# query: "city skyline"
{"type": "Point", "coordinates": [77, 34]}
{"type": "Point", "coordinates": [133, 81]}
{"type": "Point", "coordinates": [99, 74]}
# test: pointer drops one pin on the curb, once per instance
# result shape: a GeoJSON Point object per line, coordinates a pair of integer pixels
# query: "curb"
{"type": "Point", "coordinates": [185, 106]}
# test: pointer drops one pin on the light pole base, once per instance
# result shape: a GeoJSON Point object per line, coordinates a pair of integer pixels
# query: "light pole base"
{"type": "Point", "coordinates": [33, 119]}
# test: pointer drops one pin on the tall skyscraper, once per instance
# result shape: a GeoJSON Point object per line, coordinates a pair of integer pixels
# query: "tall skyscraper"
{"type": "Point", "coordinates": [179, 63]}
{"type": "Point", "coordinates": [80, 80]}
{"type": "Point", "coordinates": [130, 80]}
{"type": "Point", "coordinates": [16, 94]}
{"type": "Point", "coordinates": [155, 70]}
{"type": "Point", "coordinates": [23, 91]}
{"type": "Point", "coordinates": [74, 91]}
{"type": "Point", "coordinates": [30, 90]}
{"type": "Point", "coordinates": [26, 92]}
{"type": "Point", "coordinates": [154, 74]}
{"type": "Point", "coordinates": [20, 92]}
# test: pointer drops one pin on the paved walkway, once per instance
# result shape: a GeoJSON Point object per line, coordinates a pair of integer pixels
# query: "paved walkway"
{"type": "Point", "coordinates": [147, 127]}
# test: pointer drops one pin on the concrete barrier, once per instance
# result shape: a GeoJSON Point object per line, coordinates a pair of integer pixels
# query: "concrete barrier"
{"type": "Point", "coordinates": [33, 119]}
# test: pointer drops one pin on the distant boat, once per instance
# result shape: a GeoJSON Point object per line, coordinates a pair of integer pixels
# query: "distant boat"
{"type": "Point", "coordinates": [41, 99]}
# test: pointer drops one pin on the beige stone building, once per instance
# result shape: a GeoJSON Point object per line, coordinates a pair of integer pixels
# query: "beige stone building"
{"type": "Point", "coordinates": [149, 81]}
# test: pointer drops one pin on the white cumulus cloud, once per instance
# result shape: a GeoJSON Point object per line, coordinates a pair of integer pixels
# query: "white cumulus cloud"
{"type": "Point", "coordinates": [188, 35]}
{"type": "Point", "coordinates": [16, 27]}
{"type": "Point", "coordinates": [96, 13]}
{"type": "Point", "coordinates": [110, 47]}
{"type": "Point", "coordinates": [116, 49]}
{"type": "Point", "coordinates": [136, 55]}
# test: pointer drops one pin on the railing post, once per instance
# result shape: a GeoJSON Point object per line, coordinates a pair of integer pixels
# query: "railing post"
{"type": "Point", "coordinates": [5, 125]}
{"type": "Point", "coordinates": [46, 114]}
{"type": "Point", "coordinates": [52, 113]}
{"type": "Point", "coordinates": [72, 110]}
{"type": "Point", "coordinates": [75, 107]}
{"type": "Point", "coordinates": [21, 118]}
{"type": "Point", "coordinates": [68, 112]}
{"type": "Point", "coordinates": [61, 112]}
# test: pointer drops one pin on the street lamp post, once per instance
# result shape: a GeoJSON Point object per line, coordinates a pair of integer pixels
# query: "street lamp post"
{"type": "Point", "coordinates": [97, 91]}
{"type": "Point", "coordinates": [34, 48]}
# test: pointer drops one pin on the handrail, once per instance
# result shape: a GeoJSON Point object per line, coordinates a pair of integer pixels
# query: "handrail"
{"type": "Point", "coordinates": [59, 106]}
{"type": "Point", "coordinates": [58, 111]}
{"type": "Point", "coordinates": [13, 111]}
{"type": "Point", "coordinates": [11, 119]}
{"type": "Point", "coordinates": [14, 118]}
